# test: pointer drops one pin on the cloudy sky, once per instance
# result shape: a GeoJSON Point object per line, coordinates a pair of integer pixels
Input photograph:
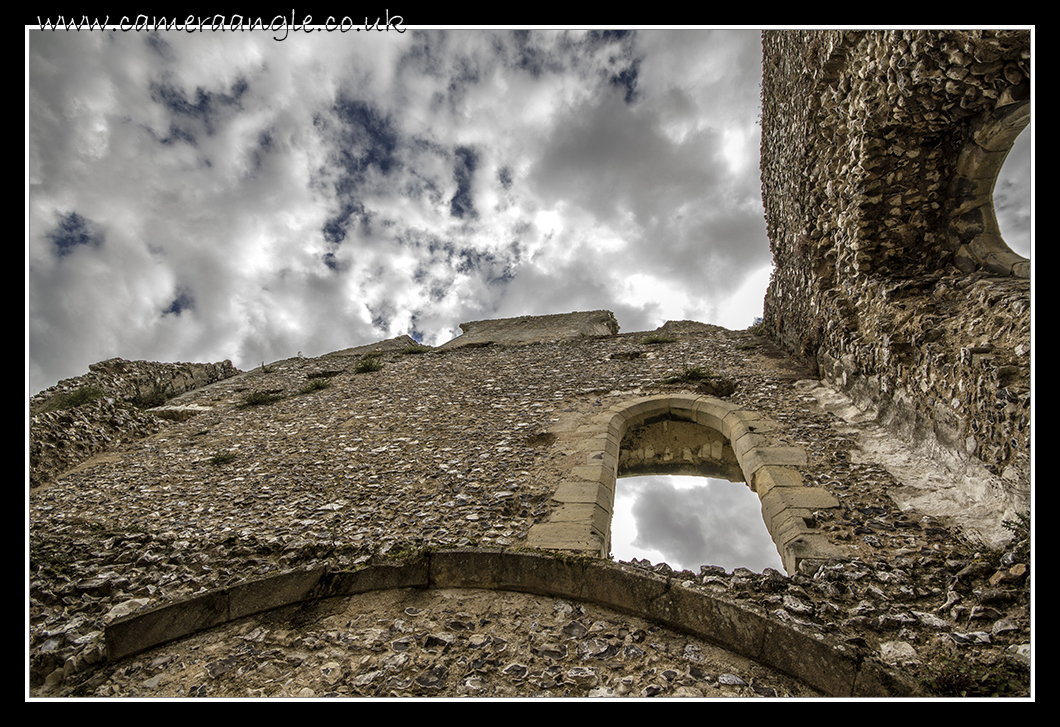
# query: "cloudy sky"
{"type": "Point", "coordinates": [687, 522]}
{"type": "Point", "coordinates": [226, 196]}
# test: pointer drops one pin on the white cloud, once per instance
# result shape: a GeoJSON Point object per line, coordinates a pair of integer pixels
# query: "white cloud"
{"type": "Point", "coordinates": [316, 194]}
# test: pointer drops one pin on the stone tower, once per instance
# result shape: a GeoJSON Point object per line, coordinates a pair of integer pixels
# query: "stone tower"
{"type": "Point", "coordinates": [880, 150]}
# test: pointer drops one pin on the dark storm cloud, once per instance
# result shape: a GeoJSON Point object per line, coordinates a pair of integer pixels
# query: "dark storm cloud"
{"type": "Point", "coordinates": [368, 140]}
{"type": "Point", "coordinates": [264, 148]}
{"type": "Point", "coordinates": [337, 226]}
{"type": "Point", "coordinates": [504, 176]}
{"type": "Point", "coordinates": [157, 43]}
{"type": "Point", "coordinates": [381, 312]}
{"type": "Point", "coordinates": [206, 108]}
{"type": "Point", "coordinates": [627, 80]}
{"type": "Point", "coordinates": [531, 57]}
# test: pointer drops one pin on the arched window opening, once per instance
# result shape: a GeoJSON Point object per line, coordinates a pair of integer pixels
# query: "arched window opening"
{"type": "Point", "coordinates": [974, 228]}
{"type": "Point", "coordinates": [694, 435]}
{"type": "Point", "coordinates": [1012, 196]}
{"type": "Point", "coordinates": [687, 522]}
{"type": "Point", "coordinates": [681, 498]}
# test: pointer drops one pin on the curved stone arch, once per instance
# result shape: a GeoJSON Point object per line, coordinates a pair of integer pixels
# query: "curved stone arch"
{"type": "Point", "coordinates": [582, 522]}
{"type": "Point", "coordinates": [817, 660]}
{"type": "Point", "coordinates": [974, 231]}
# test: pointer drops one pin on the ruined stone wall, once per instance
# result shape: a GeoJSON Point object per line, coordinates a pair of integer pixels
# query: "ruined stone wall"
{"type": "Point", "coordinates": [529, 329]}
{"type": "Point", "coordinates": [336, 468]}
{"type": "Point", "coordinates": [111, 399]}
{"type": "Point", "coordinates": [879, 154]}
{"type": "Point", "coordinates": [138, 381]}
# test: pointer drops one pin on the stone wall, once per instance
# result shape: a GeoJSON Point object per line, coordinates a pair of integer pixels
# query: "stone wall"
{"type": "Point", "coordinates": [490, 448]}
{"type": "Point", "coordinates": [113, 395]}
{"type": "Point", "coordinates": [879, 154]}
{"type": "Point", "coordinates": [529, 329]}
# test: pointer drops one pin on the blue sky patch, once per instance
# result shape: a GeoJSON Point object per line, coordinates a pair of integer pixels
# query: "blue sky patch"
{"type": "Point", "coordinates": [74, 231]}
{"type": "Point", "coordinates": [181, 303]}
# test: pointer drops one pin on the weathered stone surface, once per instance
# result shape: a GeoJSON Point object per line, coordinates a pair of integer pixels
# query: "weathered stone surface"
{"type": "Point", "coordinates": [531, 329]}
{"type": "Point", "coordinates": [111, 400]}
{"type": "Point", "coordinates": [391, 345]}
{"type": "Point", "coordinates": [373, 467]}
{"type": "Point", "coordinates": [879, 153]}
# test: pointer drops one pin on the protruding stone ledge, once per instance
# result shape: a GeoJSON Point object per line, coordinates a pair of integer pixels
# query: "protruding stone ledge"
{"type": "Point", "coordinates": [155, 626]}
{"type": "Point", "coordinates": [530, 329]}
{"type": "Point", "coordinates": [820, 663]}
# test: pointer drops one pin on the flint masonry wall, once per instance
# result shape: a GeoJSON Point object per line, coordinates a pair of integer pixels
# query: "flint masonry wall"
{"type": "Point", "coordinates": [879, 154]}
{"type": "Point", "coordinates": [63, 436]}
{"type": "Point", "coordinates": [490, 448]}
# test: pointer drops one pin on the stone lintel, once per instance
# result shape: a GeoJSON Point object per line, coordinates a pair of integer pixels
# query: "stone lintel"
{"type": "Point", "coordinates": [148, 628]}
{"type": "Point", "coordinates": [261, 595]}
{"type": "Point", "coordinates": [818, 661]}
{"type": "Point", "coordinates": [154, 626]}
